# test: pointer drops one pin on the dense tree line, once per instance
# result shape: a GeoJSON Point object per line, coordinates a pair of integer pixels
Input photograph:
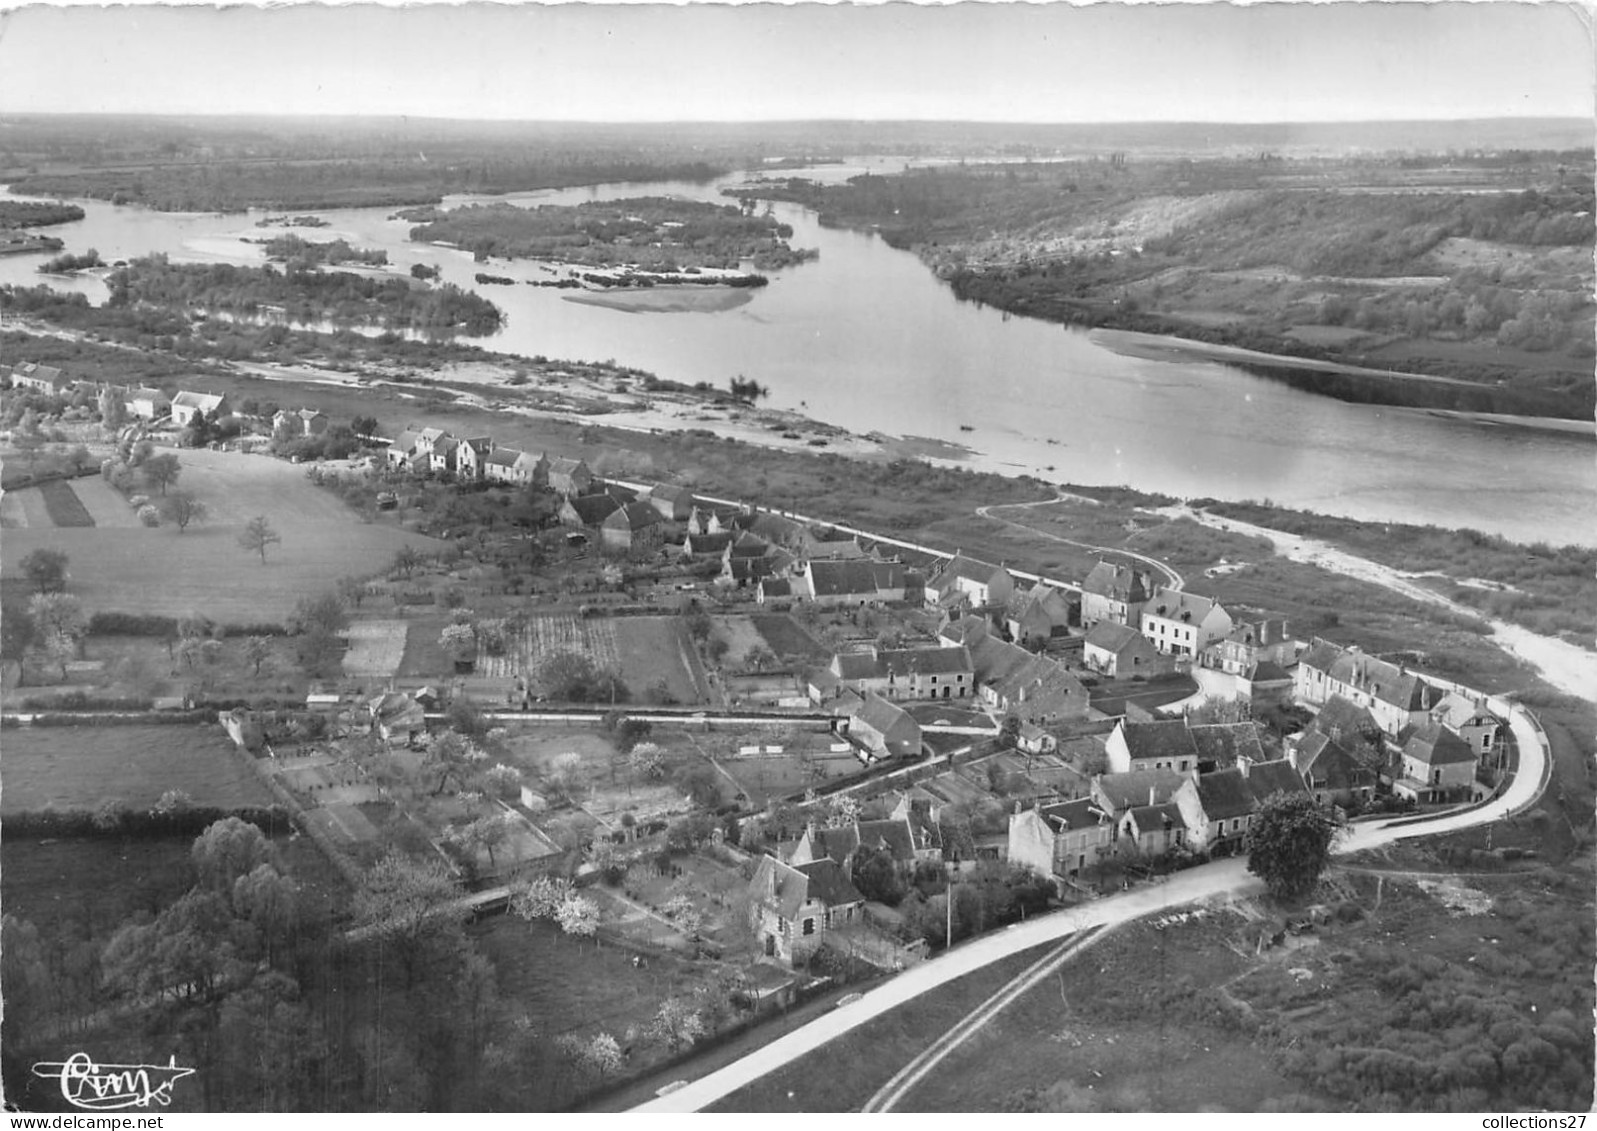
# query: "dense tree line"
{"type": "Point", "coordinates": [301, 295]}
{"type": "Point", "coordinates": [654, 232]}
{"type": "Point", "coordinates": [36, 214]}
{"type": "Point", "coordinates": [297, 252]}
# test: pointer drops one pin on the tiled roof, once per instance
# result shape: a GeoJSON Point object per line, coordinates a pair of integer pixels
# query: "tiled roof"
{"type": "Point", "coordinates": [1152, 818]}
{"type": "Point", "coordinates": [504, 457]}
{"type": "Point", "coordinates": [1178, 605]}
{"type": "Point", "coordinates": [1225, 794]}
{"type": "Point", "coordinates": [960, 567]}
{"type": "Point", "coordinates": [1434, 745]}
{"type": "Point", "coordinates": [838, 578]}
{"type": "Point", "coordinates": [827, 882]}
{"type": "Point", "coordinates": [1224, 743]}
{"type": "Point", "coordinates": [1342, 717]}
{"type": "Point", "coordinates": [1266, 778]}
{"type": "Point", "coordinates": [591, 510]}
{"type": "Point", "coordinates": [880, 714]}
{"type": "Point", "coordinates": [1161, 741]}
{"type": "Point", "coordinates": [1113, 638]}
{"type": "Point", "coordinates": [1117, 582]}
{"type": "Point", "coordinates": [1267, 671]}
{"type": "Point", "coordinates": [1122, 791]}
{"type": "Point", "coordinates": [773, 587]}
{"type": "Point", "coordinates": [896, 838]}
{"type": "Point", "coordinates": [632, 516]}
{"type": "Point", "coordinates": [1382, 679]}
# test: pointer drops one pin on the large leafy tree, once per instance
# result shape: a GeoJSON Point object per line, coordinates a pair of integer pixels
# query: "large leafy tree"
{"type": "Point", "coordinates": [1289, 843]}
{"type": "Point", "coordinates": [47, 569]}
{"type": "Point", "coordinates": [259, 534]}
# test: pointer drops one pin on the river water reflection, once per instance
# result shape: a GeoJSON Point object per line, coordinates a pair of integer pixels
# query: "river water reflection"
{"type": "Point", "coordinates": [866, 337]}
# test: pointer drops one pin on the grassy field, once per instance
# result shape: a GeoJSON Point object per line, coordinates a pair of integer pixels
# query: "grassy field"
{"type": "Point", "coordinates": [204, 569]}
{"type": "Point", "coordinates": [79, 767]}
{"type": "Point", "coordinates": [376, 647]}
{"type": "Point", "coordinates": [63, 504]}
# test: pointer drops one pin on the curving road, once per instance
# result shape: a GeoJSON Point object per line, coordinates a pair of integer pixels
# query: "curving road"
{"type": "Point", "coordinates": [1173, 579]}
{"type": "Point", "coordinates": [1221, 880]}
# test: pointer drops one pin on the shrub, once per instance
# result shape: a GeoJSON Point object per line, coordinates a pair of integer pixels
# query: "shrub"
{"type": "Point", "coordinates": [149, 515]}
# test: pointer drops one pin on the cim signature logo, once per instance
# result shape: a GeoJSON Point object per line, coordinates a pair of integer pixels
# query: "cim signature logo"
{"type": "Point", "coordinates": [108, 1087]}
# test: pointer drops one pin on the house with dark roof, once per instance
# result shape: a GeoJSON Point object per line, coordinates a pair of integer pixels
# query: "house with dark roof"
{"type": "Point", "coordinates": [1116, 793]}
{"type": "Point", "coordinates": [1041, 613]}
{"type": "Point", "coordinates": [1225, 744]}
{"type": "Point", "coordinates": [980, 583]}
{"type": "Point", "coordinates": [586, 510]}
{"type": "Point", "coordinates": [1395, 697]}
{"type": "Point", "coordinates": [1010, 679]}
{"type": "Point", "coordinates": [943, 672]}
{"type": "Point", "coordinates": [1435, 764]}
{"type": "Point", "coordinates": [1119, 651]}
{"type": "Point", "coordinates": [1164, 745]}
{"type": "Point", "coordinates": [702, 545]}
{"type": "Point", "coordinates": [1219, 807]}
{"type": "Point", "coordinates": [906, 841]}
{"type": "Point", "coordinates": [1182, 624]}
{"type": "Point", "coordinates": [1114, 593]}
{"type": "Point", "coordinates": [742, 573]}
{"type": "Point", "coordinates": [883, 728]}
{"type": "Point", "coordinates": [673, 503]}
{"type": "Point", "coordinates": [569, 476]}
{"type": "Point", "coordinates": [792, 907]}
{"type": "Point", "coordinates": [1266, 684]}
{"type": "Point", "coordinates": [832, 583]}
{"type": "Point", "coordinates": [632, 527]}
{"type": "Point", "coordinates": [1336, 770]}
{"type": "Point", "coordinates": [1061, 840]}
{"type": "Point", "coordinates": [1153, 830]}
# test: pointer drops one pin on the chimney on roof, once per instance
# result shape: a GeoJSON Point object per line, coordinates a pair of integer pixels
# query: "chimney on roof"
{"type": "Point", "coordinates": [1151, 792]}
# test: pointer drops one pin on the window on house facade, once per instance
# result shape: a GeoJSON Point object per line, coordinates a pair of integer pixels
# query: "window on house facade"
{"type": "Point", "coordinates": [781, 925]}
{"type": "Point", "coordinates": [809, 926]}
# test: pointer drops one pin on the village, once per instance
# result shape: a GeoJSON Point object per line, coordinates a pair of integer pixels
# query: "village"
{"type": "Point", "coordinates": [798, 750]}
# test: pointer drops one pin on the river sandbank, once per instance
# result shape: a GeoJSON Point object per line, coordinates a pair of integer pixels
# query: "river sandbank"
{"type": "Point", "coordinates": [684, 299]}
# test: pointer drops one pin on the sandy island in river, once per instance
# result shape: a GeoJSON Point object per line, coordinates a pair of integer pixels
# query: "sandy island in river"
{"type": "Point", "coordinates": [684, 299]}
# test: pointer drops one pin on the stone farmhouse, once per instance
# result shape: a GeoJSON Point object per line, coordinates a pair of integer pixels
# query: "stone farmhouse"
{"type": "Point", "coordinates": [1114, 593]}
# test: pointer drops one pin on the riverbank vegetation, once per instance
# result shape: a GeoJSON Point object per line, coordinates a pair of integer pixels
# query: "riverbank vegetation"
{"type": "Point", "coordinates": [65, 264]}
{"type": "Point", "coordinates": [301, 253]}
{"type": "Point", "coordinates": [301, 295]}
{"type": "Point", "coordinates": [655, 233]}
{"type": "Point", "coordinates": [1478, 269]}
{"type": "Point", "coordinates": [1549, 590]}
{"type": "Point", "coordinates": [36, 213]}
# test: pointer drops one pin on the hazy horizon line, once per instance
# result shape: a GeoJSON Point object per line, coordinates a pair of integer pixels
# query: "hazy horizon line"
{"type": "Point", "coordinates": [317, 115]}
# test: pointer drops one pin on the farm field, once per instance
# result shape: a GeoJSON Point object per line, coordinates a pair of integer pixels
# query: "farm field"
{"type": "Point", "coordinates": [376, 648]}
{"type": "Point", "coordinates": [653, 654]}
{"type": "Point", "coordinates": [204, 569]}
{"type": "Point", "coordinates": [784, 637]}
{"type": "Point", "coordinates": [62, 504]}
{"type": "Point", "coordinates": [79, 767]}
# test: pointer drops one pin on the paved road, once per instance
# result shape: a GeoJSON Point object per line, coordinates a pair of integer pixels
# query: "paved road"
{"type": "Point", "coordinates": [1222, 880]}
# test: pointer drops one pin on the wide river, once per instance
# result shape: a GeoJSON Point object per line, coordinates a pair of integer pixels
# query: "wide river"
{"type": "Point", "coordinates": [867, 338]}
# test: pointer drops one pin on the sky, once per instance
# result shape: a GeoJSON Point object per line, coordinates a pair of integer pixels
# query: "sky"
{"type": "Point", "coordinates": [1043, 62]}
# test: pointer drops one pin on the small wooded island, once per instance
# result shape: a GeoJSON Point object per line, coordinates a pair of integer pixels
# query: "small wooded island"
{"type": "Point", "coordinates": [653, 236]}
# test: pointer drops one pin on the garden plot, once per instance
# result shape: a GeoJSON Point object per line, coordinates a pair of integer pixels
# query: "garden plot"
{"type": "Point", "coordinates": [376, 648]}
{"type": "Point", "coordinates": [103, 502]}
{"type": "Point", "coordinates": [652, 654]}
